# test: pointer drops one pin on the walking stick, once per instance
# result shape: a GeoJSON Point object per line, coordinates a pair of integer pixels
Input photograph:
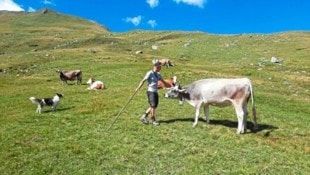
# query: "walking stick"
{"type": "Point", "coordinates": [124, 107]}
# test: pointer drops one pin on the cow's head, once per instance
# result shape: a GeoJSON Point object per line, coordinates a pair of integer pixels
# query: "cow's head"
{"type": "Point", "coordinates": [174, 80]}
{"type": "Point", "coordinates": [176, 92]}
{"type": "Point", "coordinates": [91, 81]}
{"type": "Point", "coordinates": [60, 95]}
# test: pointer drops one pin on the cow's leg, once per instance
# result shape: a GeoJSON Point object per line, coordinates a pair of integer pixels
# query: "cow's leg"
{"type": "Point", "coordinates": [39, 109]}
{"type": "Point", "coordinates": [245, 115]}
{"type": "Point", "coordinates": [206, 109]}
{"type": "Point", "coordinates": [240, 115]}
{"type": "Point", "coordinates": [196, 114]}
{"type": "Point", "coordinates": [53, 108]}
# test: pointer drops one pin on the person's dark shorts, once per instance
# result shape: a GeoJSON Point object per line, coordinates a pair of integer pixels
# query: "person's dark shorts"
{"type": "Point", "coordinates": [153, 99]}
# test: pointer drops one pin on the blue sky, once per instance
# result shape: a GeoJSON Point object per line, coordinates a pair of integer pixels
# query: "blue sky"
{"type": "Point", "coordinates": [210, 16]}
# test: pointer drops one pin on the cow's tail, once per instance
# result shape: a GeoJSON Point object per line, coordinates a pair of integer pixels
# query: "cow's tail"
{"type": "Point", "coordinates": [253, 105]}
{"type": "Point", "coordinates": [33, 99]}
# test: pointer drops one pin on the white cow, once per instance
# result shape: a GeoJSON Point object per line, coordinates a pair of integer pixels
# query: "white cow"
{"type": "Point", "coordinates": [95, 85]}
{"type": "Point", "coordinates": [218, 92]}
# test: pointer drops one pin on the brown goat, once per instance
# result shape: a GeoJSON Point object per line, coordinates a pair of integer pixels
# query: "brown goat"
{"type": "Point", "coordinates": [170, 82]}
{"type": "Point", "coordinates": [70, 75]}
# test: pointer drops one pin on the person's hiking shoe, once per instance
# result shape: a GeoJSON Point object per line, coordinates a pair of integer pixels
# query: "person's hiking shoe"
{"type": "Point", "coordinates": [154, 122]}
{"type": "Point", "coordinates": [144, 120]}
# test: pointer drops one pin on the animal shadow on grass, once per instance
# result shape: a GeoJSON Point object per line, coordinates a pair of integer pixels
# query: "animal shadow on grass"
{"type": "Point", "coordinates": [58, 109]}
{"type": "Point", "coordinates": [226, 123]}
{"type": "Point", "coordinates": [74, 84]}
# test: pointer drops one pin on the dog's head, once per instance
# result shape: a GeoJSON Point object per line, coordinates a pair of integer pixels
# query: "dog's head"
{"type": "Point", "coordinates": [60, 95]}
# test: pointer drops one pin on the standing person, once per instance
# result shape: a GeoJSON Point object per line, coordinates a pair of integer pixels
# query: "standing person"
{"type": "Point", "coordinates": [152, 77]}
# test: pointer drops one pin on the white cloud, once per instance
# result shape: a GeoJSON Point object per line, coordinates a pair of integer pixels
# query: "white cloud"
{"type": "Point", "coordinates": [152, 23]}
{"type": "Point", "coordinates": [135, 20]}
{"type": "Point", "coordinates": [153, 3]}
{"type": "Point", "coordinates": [10, 5]}
{"type": "Point", "coordinates": [30, 9]}
{"type": "Point", "coordinates": [48, 2]}
{"type": "Point", "coordinates": [199, 3]}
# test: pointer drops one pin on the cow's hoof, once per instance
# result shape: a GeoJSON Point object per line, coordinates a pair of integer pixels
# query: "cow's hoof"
{"type": "Point", "coordinates": [240, 132]}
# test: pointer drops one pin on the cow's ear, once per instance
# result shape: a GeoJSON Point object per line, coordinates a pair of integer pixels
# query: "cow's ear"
{"type": "Point", "coordinates": [179, 86]}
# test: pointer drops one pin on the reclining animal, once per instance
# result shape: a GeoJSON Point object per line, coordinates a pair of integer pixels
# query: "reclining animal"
{"type": "Point", "coordinates": [95, 85]}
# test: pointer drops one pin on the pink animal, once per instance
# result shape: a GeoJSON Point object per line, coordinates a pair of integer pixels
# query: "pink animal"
{"type": "Point", "coordinates": [95, 85]}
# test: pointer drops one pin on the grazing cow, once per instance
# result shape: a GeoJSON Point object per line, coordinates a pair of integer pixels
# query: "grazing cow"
{"type": "Point", "coordinates": [218, 92]}
{"type": "Point", "coordinates": [166, 62]}
{"type": "Point", "coordinates": [169, 83]}
{"type": "Point", "coordinates": [95, 85]}
{"type": "Point", "coordinates": [70, 75]}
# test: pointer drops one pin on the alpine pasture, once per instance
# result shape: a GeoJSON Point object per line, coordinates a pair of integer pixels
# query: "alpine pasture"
{"type": "Point", "coordinates": [75, 140]}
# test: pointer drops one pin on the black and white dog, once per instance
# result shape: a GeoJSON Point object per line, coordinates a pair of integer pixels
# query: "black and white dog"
{"type": "Point", "coordinates": [53, 102]}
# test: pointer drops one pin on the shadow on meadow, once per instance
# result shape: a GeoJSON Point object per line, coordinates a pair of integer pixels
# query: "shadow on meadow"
{"type": "Point", "coordinates": [58, 109]}
{"type": "Point", "coordinates": [226, 123]}
{"type": "Point", "coordinates": [74, 84]}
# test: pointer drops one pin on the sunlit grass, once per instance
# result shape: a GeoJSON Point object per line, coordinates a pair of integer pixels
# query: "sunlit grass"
{"type": "Point", "coordinates": [75, 140]}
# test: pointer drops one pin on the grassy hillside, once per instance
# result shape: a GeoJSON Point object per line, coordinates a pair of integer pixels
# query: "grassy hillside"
{"type": "Point", "coordinates": [74, 139]}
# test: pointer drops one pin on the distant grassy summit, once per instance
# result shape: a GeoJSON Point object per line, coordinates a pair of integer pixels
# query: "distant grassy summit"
{"type": "Point", "coordinates": [21, 30]}
{"type": "Point", "coordinates": [47, 19]}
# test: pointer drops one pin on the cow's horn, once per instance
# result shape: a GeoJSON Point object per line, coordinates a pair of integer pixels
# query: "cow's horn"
{"type": "Point", "coordinates": [182, 90]}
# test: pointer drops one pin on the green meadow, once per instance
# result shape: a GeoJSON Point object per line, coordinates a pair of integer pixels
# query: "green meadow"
{"type": "Point", "coordinates": [75, 140]}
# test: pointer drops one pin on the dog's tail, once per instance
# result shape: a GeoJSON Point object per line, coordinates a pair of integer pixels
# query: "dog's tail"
{"type": "Point", "coordinates": [33, 99]}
